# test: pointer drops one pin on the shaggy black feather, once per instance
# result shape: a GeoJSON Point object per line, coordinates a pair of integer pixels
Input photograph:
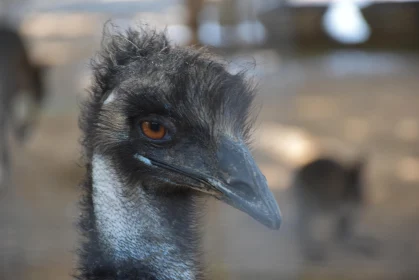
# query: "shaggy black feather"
{"type": "Point", "coordinates": [149, 76]}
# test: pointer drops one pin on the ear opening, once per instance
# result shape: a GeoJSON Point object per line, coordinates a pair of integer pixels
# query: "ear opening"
{"type": "Point", "coordinates": [108, 97]}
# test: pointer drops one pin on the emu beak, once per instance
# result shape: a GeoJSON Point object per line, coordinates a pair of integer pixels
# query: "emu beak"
{"type": "Point", "coordinates": [243, 185]}
{"type": "Point", "coordinates": [239, 182]}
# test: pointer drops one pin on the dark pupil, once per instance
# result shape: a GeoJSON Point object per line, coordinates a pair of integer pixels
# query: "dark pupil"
{"type": "Point", "coordinates": [155, 126]}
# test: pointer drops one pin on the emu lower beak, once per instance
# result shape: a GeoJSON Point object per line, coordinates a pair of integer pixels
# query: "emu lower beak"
{"type": "Point", "coordinates": [243, 185]}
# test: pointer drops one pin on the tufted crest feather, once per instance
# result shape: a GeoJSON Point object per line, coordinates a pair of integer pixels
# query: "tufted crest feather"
{"type": "Point", "coordinates": [145, 55]}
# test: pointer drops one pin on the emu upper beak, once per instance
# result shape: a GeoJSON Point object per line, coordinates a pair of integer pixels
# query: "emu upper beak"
{"type": "Point", "coordinates": [243, 185]}
{"type": "Point", "coordinates": [239, 182]}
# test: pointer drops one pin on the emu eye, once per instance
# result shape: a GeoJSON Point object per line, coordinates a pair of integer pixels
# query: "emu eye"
{"type": "Point", "coordinates": [153, 130]}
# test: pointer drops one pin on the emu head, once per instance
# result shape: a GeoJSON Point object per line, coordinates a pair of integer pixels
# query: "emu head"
{"type": "Point", "coordinates": [173, 120]}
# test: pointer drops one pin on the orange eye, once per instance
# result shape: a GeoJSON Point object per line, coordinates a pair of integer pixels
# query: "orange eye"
{"type": "Point", "coordinates": [153, 130]}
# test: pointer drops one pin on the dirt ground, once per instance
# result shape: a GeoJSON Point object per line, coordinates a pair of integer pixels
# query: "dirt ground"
{"type": "Point", "coordinates": [342, 103]}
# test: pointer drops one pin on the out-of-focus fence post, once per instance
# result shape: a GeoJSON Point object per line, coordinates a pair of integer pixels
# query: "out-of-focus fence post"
{"type": "Point", "coordinates": [194, 8]}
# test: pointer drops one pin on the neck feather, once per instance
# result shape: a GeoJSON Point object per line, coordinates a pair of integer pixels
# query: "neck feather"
{"type": "Point", "coordinates": [133, 233]}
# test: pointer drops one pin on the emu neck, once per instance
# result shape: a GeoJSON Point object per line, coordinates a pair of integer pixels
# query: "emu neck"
{"type": "Point", "coordinates": [150, 232]}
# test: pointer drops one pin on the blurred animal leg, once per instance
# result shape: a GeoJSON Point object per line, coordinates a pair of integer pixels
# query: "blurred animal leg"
{"type": "Point", "coordinates": [344, 228]}
{"type": "Point", "coordinates": [4, 155]}
{"type": "Point", "coordinates": [312, 249]}
{"type": "Point", "coordinates": [346, 234]}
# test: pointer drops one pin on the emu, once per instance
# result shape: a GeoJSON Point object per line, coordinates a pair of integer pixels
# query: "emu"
{"type": "Point", "coordinates": [164, 126]}
{"type": "Point", "coordinates": [326, 188]}
{"type": "Point", "coordinates": [20, 79]}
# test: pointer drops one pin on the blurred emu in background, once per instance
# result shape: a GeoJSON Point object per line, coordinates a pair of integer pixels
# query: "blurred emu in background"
{"type": "Point", "coordinates": [326, 190]}
{"type": "Point", "coordinates": [21, 94]}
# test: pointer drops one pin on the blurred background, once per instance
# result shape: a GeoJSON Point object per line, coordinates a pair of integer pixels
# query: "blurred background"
{"type": "Point", "coordinates": [337, 79]}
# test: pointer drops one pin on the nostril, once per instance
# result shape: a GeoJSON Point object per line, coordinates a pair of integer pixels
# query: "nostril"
{"type": "Point", "coordinates": [243, 189]}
